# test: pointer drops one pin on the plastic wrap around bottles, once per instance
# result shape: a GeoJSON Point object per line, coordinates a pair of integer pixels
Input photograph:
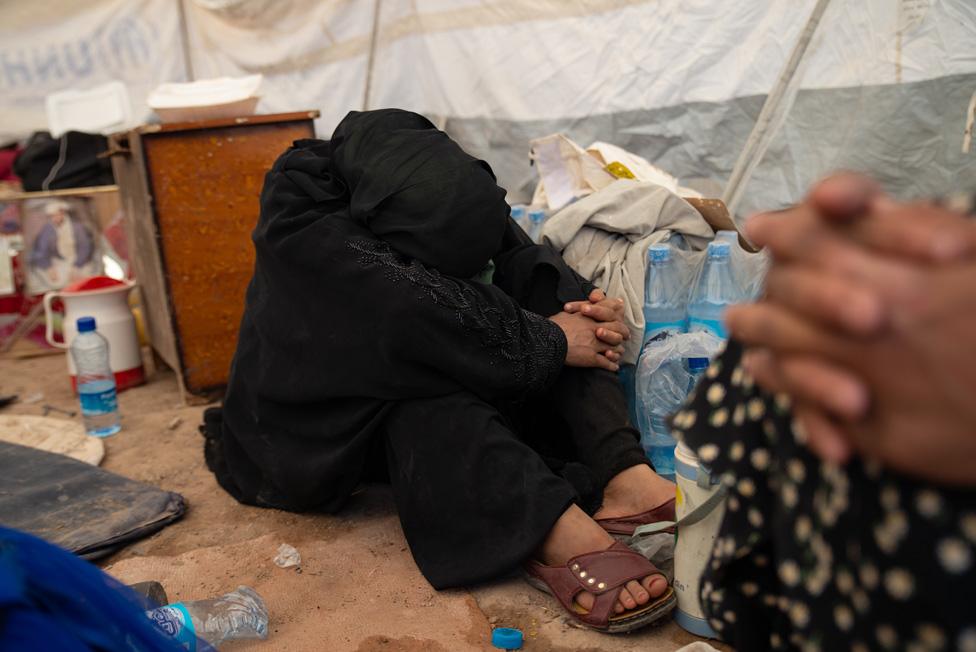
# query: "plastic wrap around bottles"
{"type": "Point", "coordinates": [666, 373]}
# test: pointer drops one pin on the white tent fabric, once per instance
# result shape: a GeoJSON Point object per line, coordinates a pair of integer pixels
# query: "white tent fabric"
{"type": "Point", "coordinates": [884, 86]}
{"type": "Point", "coordinates": [63, 44]}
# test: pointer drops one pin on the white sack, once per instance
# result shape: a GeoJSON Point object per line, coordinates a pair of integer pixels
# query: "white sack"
{"type": "Point", "coordinates": [605, 237]}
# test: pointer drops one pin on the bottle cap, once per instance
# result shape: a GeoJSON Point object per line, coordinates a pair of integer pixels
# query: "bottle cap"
{"type": "Point", "coordinates": [86, 324]}
{"type": "Point", "coordinates": [507, 638]}
{"type": "Point", "coordinates": [697, 364]}
{"type": "Point", "coordinates": [659, 253]}
{"type": "Point", "coordinates": [518, 211]}
{"type": "Point", "coordinates": [536, 215]}
{"type": "Point", "coordinates": [718, 249]}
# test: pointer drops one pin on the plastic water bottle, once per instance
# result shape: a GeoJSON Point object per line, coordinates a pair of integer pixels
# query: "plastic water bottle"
{"type": "Point", "coordinates": [664, 310]}
{"type": "Point", "coordinates": [537, 217]}
{"type": "Point", "coordinates": [96, 382]}
{"type": "Point", "coordinates": [240, 614]}
{"type": "Point", "coordinates": [715, 291]}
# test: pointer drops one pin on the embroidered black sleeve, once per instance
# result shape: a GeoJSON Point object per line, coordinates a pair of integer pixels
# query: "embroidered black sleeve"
{"type": "Point", "coordinates": [531, 345]}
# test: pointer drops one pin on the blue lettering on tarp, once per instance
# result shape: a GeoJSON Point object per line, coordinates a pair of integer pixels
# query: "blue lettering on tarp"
{"type": "Point", "coordinates": [14, 69]}
{"type": "Point", "coordinates": [128, 43]}
{"type": "Point", "coordinates": [47, 63]}
{"type": "Point", "coordinates": [120, 49]}
{"type": "Point", "coordinates": [81, 64]}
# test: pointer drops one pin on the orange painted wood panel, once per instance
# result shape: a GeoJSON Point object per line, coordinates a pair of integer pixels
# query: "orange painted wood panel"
{"type": "Point", "coordinates": [205, 184]}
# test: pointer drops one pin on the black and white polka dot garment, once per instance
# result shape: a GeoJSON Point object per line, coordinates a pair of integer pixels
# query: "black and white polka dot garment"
{"type": "Point", "coordinates": [814, 556]}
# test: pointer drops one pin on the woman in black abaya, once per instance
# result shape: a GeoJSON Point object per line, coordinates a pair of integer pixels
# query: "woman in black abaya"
{"type": "Point", "coordinates": [399, 322]}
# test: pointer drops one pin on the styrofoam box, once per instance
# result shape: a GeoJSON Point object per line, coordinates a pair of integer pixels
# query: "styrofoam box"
{"type": "Point", "coordinates": [103, 109]}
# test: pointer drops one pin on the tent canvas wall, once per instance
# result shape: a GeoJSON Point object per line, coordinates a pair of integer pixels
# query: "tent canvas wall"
{"type": "Point", "coordinates": [884, 86]}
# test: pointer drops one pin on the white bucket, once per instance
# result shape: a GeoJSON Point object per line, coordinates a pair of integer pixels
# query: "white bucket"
{"type": "Point", "coordinates": [699, 507]}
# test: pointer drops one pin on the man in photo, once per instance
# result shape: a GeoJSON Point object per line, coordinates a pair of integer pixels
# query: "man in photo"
{"type": "Point", "coordinates": [63, 249]}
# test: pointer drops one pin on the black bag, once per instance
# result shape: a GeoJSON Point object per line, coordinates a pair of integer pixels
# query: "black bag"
{"type": "Point", "coordinates": [70, 161]}
{"type": "Point", "coordinates": [80, 507]}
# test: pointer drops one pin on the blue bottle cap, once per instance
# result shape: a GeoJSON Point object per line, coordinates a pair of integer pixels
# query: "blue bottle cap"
{"type": "Point", "coordinates": [659, 253]}
{"type": "Point", "coordinates": [536, 215]}
{"type": "Point", "coordinates": [86, 324]}
{"type": "Point", "coordinates": [718, 249]}
{"type": "Point", "coordinates": [507, 638]}
{"type": "Point", "coordinates": [697, 364]}
{"type": "Point", "coordinates": [518, 211]}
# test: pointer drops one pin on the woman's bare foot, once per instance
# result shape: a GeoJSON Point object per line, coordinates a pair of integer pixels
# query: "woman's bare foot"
{"type": "Point", "coordinates": [633, 491]}
{"type": "Point", "coordinates": [574, 534]}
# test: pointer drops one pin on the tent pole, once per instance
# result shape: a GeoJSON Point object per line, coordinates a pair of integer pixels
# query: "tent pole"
{"type": "Point", "coordinates": [185, 37]}
{"type": "Point", "coordinates": [772, 110]}
{"type": "Point", "coordinates": [372, 55]}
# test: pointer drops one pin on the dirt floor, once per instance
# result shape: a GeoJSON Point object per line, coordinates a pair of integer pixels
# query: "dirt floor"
{"type": "Point", "coordinates": [357, 589]}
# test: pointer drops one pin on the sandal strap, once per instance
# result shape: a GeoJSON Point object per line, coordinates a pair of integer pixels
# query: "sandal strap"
{"type": "Point", "coordinates": [602, 573]}
{"type": "Point", "coordinates": [625, 525]}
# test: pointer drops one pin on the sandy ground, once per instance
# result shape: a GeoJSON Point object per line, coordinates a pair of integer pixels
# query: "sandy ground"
{"type": "Point", "coordinates": [357, 589]}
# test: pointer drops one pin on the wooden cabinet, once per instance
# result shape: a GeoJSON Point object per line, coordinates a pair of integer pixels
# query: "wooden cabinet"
{"type": "Point", "coordinates": [191, 198]}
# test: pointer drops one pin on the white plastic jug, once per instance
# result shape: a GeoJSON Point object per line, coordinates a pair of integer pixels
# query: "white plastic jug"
{"type": "Point", "coordinates": [699, 508]}
{"type": "Point", "coordinates": [107, 300]}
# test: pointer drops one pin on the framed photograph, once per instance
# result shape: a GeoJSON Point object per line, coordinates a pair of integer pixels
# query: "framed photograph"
{"type": "Point", "coordinates": [9, 242]}
{"type": "Point", "coordinates": [62, 242]}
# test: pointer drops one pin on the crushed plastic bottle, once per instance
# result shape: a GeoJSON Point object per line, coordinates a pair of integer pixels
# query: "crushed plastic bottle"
{"type": "Point", "coordinates": [240, 614]}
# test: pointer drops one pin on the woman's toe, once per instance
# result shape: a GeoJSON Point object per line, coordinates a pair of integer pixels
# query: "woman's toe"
{"type": "Point", "coordinates": [626, 599]}
{"type": "Point", "coordinates": [638, 592]}
{"type": "Point", "coordinates": [655, 585]}
{"type": "Point", "coordinates": [585, 600]}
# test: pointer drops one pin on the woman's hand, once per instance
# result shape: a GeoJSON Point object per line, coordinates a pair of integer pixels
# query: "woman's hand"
{"type": "Point", "coordinates": [865, 324]}
{"type": "Point", "coordinates": [609, 312]}
{"type": "Point", "coordinates": [584, 347]}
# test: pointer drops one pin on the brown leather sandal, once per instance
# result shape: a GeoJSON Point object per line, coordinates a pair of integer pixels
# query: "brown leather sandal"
{"type": "Point", "coordinates": [623, 527]}
{"type": "Point", "coordinates": [604, 574]}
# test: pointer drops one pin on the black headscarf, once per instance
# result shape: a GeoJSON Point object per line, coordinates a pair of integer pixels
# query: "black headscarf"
{"type": "Point", "coordinates": [432, 201]}
{"type": "Point", "coordinates": [361, 296]}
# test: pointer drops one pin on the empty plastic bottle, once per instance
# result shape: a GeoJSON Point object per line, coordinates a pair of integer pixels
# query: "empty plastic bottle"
{"type": "Point", "coordinates": [715, 291]}
{"type": "Point", "coordinates": [240, 614]}
{"type": "Point", "coordinates": [95, 380]}
{"type": "Point", "coordinates": [664, 310]}
{"type": "Point", "coordinates": [537, 217]}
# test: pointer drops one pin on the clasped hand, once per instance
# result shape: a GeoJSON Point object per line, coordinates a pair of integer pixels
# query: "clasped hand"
{"type": "Point", "coordinates": [595, 331]}
{"type": "Point", "coordinates": [868, 323]}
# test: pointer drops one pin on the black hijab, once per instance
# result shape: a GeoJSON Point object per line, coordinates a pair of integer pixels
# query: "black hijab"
{"type": "Point", "coordinates": [415, 188]}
